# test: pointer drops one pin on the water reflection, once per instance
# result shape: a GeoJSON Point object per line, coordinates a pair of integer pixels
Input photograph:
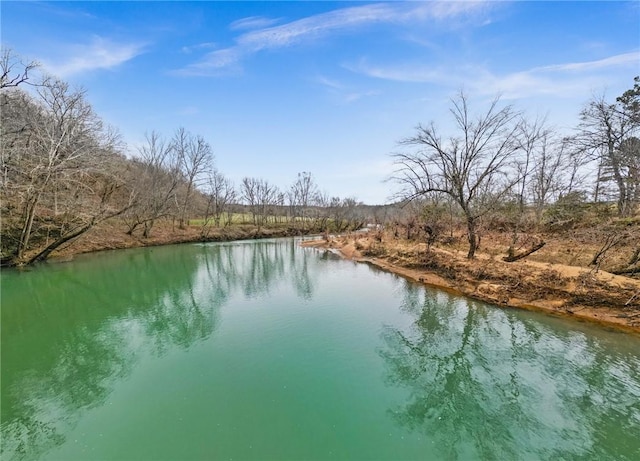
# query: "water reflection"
{"type": "Point", "coordinates": [256, 269]}
{"type": "Point", "coordinates": [485, 384]}
{"type": "Point", "coordinates": [473, 381]}
{"type": "Point", "coordinates": [70, 331]}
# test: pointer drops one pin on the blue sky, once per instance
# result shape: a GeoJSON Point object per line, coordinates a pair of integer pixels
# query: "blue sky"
{"type": "Point", "coordinates": [326, 87]}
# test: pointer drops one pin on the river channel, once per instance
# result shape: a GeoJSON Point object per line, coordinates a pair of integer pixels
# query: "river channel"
{"type": "Point", "coordinates": [266, 350]}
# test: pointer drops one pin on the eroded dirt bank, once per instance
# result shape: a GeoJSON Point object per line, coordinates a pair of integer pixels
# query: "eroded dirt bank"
{"type": "Point", "coordinates": [566, 290]}
{"type": "Point", "coordinates": [569, 291]}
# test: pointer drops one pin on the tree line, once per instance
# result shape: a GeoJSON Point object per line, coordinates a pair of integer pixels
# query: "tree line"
{"type": "Point", "coordinates": [500, 161]}
{"type": "Point", "coordinates": [64, 171]}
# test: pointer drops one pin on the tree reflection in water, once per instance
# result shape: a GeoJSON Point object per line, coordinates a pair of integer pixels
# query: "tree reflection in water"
{"type": "Point", "coordinates": [69, 332]}
{"type": "Point", "coordinates": [481, 383]}
{"type": "Point", "coordinates": [484, 384]}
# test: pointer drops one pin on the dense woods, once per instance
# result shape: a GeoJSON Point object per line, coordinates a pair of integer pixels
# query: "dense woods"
{"type": "Point", "coordinates": [64, 172]}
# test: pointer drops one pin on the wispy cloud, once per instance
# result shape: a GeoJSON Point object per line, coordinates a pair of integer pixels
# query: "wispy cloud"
{"type": "Point", "coordinates": [317, 26]}
{"type": "Point", "coordinates": [100, 53]}
{"type": "Point", "coordinates": [63, 11]}
{"type": "Point", "coordinates": [329, 83]}
{"type": "Point", "coordinates": [355, 96]}
{"type": "Point", "coordinates": [219, 62]}
{"type": "Point", "coordinates": [410, 73]}
{"type": "Point", "coordinates": [343, 92]}
{"type": "Point", "coordinates": [558, 79]}
{"type": "Point", "coordinates": [200, 46]}
{"type": "Point", "coordinates": [253, 22]}
{"type": "Point", "coordinates": [562, 80]}
{"type": "Point", "coordinates": [625, 59]}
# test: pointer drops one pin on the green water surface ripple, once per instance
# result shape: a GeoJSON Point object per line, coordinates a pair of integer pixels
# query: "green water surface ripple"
{"type": "Point", "coordinates": [266, 350]}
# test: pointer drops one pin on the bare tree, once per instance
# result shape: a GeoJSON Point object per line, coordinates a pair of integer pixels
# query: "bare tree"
{"type": "Point", "coordinates": [159, 177]}
{"type": "Point", "coordinates": [195, 157]}
{"type": "Point", "coordinates": [355, 218]}
{"type": "Point", "coordinates": [603, 132]}
{"type": "Point", "coordinates": [111, 198]}
{"type": "Point", "coordinates": [470, 167]}
{"type": "Point", "coordinates": [267, 197]}
{"type": "Point", "coordinates": [222, 193]}
{"type": "Point", "coordinates": [547, 175]}
{"type": "Point", "coordinates": [13, 70]}
{"type": "Point", "coordinates": [630, 156]}
{"type": "Point", "coordinates": [322, 211]}
{"type": "Point", "coordinates": [249, 194]}
{"type": "Point", "coordinates": [532, 137]}
{"type": "Point", "coordinates": [301, 194]}
{"type": "Point", "coordinates": [281, 202]}
{"type": "Point", "coordinates": [261, 197]}
{"type": "Point", "coordinates": [337, 214]}
{"type": "Point", "coordinates": [58, 169]}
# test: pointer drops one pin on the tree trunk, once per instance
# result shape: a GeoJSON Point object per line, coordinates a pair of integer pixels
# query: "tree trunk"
{"type": "Point", "coordinates": [185, 206]}
{"type": "Point", "coordinates": [30, 212]}
{"type": "Point", "coordinates": [132, 228]}
{"type": "Point", "coordinates": [472, 234]}
{"type": "Point", "coordinates": [147, 228]}
{"type": "Point", "coordinates": [44, 254]}
{"type": "Point", "coordinates": [623, 199]}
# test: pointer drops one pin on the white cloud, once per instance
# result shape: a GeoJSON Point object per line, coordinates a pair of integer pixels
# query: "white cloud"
{"type": "Point", "coordinates": [410, 73]}
{"type": "Point", "coordinates": [355, 96]}
{"type": "Point", "coordinates": [343, 92]}
{"type": "Point", "coordinates": [329, 83]}
{"type": "Point", "coordinates": [220, 58]}
{"type": "Point", "coordinates": [563, 80]}
{"type": "Point", "coordinates": [313, 27]}
{"type": "Point", "coordinates": [99, 54]}
{"type": "Point", "coordinates": [632, 58]}
{"type": "Point", "coordinates": [200, 46]}
{"type": "Point", "coordinates": [219, 62]}
{"type": "Point", "coordinates": [252, 22]}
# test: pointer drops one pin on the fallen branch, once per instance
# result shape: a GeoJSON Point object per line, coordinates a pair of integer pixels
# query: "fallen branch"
{"type": "Point", "coordinates": [514, 257]}
{"type": "Point", "coordinates": [611, 241]}
{"type": "Point", "coordinates": [632, 298]}
{"type": "Point", "coordinates": [627, 270]}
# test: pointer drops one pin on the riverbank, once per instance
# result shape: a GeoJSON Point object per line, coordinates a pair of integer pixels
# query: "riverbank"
{"type": "Point", "coordinates": [113, 236]}
{"type": "Point", "coordinates": [562, 290]}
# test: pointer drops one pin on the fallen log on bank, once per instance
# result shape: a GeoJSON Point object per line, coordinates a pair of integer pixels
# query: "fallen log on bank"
{"type": "Point", "coordinates": [511, 257]}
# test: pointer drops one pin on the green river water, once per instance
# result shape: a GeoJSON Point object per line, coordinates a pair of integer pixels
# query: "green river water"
{"type": "Point", "coordinates": [266, 350]}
